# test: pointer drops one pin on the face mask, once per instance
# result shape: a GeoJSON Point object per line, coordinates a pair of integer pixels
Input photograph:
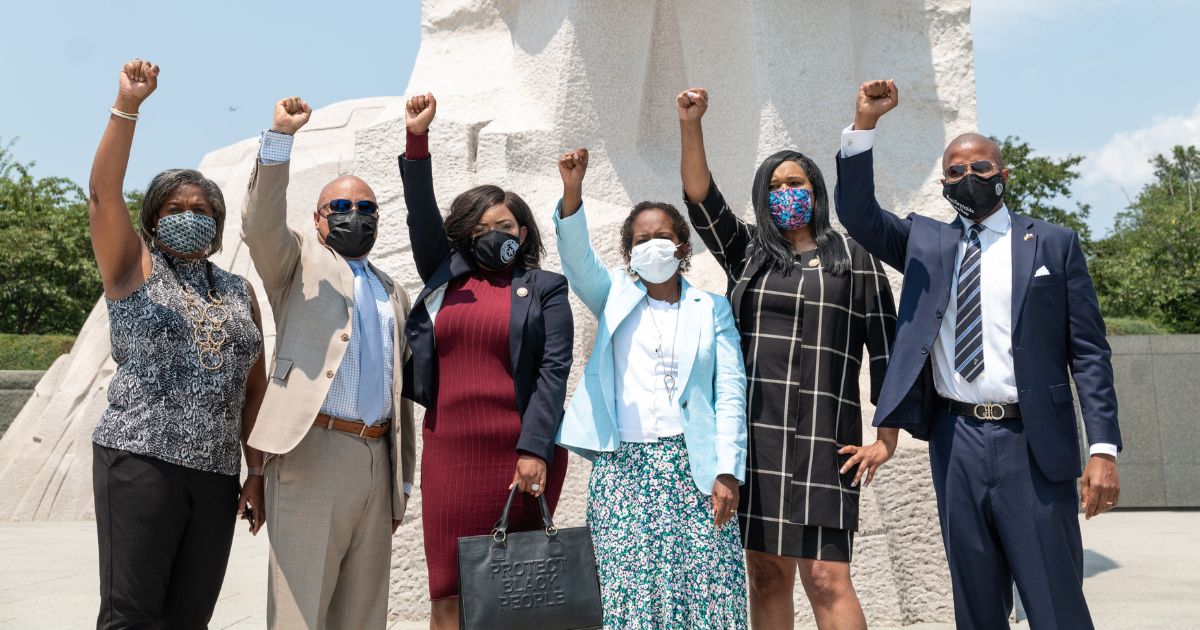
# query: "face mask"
{"type": "Point", "coordinates": [654, 261]}
{"type": "Point", "coordinates": [495, 250]}
{"type": "Point", "coordinates": [351, 234]}
{"type": "Point", "coordinates": [186, 233]}
{"type": "Point", "coordinates": [791, 208]}
{"type": "Point", "coordinates": [973, 196]}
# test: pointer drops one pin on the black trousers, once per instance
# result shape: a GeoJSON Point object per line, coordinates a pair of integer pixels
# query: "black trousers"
{"type": "Point", "coordinates": [1003, 521]}
{"type": "Point", "coordinates": [164, 532]}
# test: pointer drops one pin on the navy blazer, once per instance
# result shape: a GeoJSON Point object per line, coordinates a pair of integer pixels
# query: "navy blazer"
{"type": "Point", "coordinates": [541, 328]}
{"type": "Point", "coordinates": [1056, 322]}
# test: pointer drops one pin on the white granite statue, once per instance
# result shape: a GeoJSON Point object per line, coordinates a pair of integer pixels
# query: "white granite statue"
{"type": "Point", "coordinates": [518, 82]}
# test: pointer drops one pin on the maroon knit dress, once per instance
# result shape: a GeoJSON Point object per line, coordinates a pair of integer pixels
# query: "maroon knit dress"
{"type": "Point", "coordinates": [470, 437]}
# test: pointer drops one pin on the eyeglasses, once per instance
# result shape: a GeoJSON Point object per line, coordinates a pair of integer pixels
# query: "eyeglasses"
{"type": "Point", "coordinates": [979, 167]}
{"type": "Point", "coordinates": [343, 206]}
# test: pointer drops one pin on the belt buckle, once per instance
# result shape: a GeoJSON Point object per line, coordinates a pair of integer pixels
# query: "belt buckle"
{"type": "Point", "coordinates": [991, 412]}
{"type": "Point", "coordinates": [363, 431]}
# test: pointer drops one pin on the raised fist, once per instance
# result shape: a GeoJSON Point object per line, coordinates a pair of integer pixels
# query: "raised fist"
{"type": "Point", "coordinates": [419, 113]}
{"type": "Point", "coordinates": [138, 80]}
{"type": "Point", "coordinates": [875, 98]}
{"type": "Point", "coordinates": [691, 104]}
{"type": "Point", "coordinates": [291, 114]}
{"type": "Point", "coordinates": [571, 166]}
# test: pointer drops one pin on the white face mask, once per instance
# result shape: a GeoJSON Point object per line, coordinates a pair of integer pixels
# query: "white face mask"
{"type": "Point", "coordinates": [654, 261]}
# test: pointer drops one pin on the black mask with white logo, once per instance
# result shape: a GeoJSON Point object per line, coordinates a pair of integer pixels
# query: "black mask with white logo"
{"type": "Point", "coordinates": [975, 197]}
{"type": "Point", "coordinates": [495, 250]}
{"type": "Point", "coordinates": [351, 234]}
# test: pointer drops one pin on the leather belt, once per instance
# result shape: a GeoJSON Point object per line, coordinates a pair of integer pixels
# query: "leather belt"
{"type": "Point", "coordinates": [984, 412]}
{"type": "Point", "coordinates": [353, 427]}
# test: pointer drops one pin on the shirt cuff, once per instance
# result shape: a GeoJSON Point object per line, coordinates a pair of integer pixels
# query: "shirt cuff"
{"type": "Point", "coordinates": [408, 489]}
{"type": "Point", "coordinates": [274, 147]}
{"type": "Point", "coordinates": [416, 147]}
{"type": "Point", "coordinates": [1103, 448]}
{"type": "Point", "coordinates": [855, 141]}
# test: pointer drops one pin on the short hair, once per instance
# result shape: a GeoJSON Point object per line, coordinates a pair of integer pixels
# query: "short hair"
{"type": "Point", "coordinates": [679, 226]}
{"type": "Point", "coordinates": [469, 207]}
{"type": "Point", "coordinates": [164, 185]}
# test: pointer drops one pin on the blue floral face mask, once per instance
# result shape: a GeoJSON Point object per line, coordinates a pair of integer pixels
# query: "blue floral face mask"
{"type": "Point", "coordinates": [791, 208]}
{"type": "Point", "coordinates": [186, 233]}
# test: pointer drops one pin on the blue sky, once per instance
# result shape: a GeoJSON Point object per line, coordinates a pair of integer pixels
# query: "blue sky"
{"type": "Point", "coordinates": [1112, 80]}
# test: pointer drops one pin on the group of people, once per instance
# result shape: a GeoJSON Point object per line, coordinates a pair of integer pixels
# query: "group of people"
{"type": "Point", "coordinates": [724, 431]}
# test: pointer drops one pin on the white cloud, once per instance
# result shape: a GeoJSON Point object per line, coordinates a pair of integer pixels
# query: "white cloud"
{"type": "Point", "coordinates": [1125, 159]}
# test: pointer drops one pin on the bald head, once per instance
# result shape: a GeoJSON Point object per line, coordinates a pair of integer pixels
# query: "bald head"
{"type": "Point", "coordinates": [345, 187]}
{"type": "Point", "coordinates": [970, 147]}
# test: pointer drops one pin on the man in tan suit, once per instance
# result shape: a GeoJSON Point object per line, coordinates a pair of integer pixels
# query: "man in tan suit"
{"type": "Point", "coordinates": [342, 438]}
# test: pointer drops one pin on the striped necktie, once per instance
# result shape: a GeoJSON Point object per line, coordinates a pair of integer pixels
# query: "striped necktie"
{"type": "Point", "coordinates": [968, 327]}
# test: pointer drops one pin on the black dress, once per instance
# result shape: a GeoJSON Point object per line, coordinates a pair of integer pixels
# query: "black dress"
{"type": "Point", "coordinates": [803, 334]}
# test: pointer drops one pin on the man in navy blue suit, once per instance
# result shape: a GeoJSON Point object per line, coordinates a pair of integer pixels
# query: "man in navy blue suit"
{"type": "Point", "coordinates": [996, 314]}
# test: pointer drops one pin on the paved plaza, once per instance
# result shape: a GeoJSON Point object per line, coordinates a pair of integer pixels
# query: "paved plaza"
{"type": "Point", "coordinates": [1143, 572]}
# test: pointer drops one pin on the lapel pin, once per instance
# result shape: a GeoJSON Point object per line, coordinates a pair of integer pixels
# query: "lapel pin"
{"type": "Point", "coordinates": [1029, 236]}
{"type": "Point", "coordinates": [814, 262]}
{"type": "Point", "coordinates": [522, 292]}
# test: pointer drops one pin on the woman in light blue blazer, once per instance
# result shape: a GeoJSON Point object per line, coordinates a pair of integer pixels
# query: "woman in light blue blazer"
{"type": "Point", "coordinates": [660, 413]}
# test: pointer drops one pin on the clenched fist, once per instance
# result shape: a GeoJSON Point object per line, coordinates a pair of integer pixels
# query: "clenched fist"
{"type": "Point", "coordinates": [691, 104]}
{"type": "Point", "coordinates": [291, 114]}
{"type": "Point", "coordinates": [419, 113]}
{"type": "Point", "coordinates": [571, 166]}
{"type": "Point", "coordinates": [875, 98]}
{"type": "Point", "coordinates": [138, 81]}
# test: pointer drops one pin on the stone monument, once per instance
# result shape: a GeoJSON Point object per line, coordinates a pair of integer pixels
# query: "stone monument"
{"type": "Point", "coordinates": [520, 82]}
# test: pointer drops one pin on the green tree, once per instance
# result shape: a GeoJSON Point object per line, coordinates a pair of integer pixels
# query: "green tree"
{"type": "Point", "coordinates": [1149, 266]}
{"type": "Point", "coordinates": [48, 278]}
{"type": "Point", "coordinates": [1039, 183]}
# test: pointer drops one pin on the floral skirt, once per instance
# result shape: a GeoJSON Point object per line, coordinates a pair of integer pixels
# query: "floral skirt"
{"type": "Point", "coordinates": [662, 563]}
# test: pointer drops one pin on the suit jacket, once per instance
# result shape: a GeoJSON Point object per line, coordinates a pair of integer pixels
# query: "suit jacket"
{"type": "Point", "coordinates": [541, 329]}
{"type": "Point", "coordinates": [712, 376]}
{"type": "Point", "coordinates": [311, 291]}
{"type": "Point", "coordinates": [1057, 328]}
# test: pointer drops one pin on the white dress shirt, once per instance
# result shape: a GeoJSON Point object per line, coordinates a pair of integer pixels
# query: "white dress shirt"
{"type": "Point", "coordinates": [998, 382]}
{"type": "Point", "coordinates": [643, 355]}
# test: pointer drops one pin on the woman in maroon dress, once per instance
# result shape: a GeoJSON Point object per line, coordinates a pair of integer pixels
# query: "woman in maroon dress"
{"type": "Point", "coordinates": [491, 338]}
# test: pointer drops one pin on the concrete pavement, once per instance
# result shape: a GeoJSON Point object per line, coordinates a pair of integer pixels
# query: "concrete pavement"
{"type": "Point", "coordinates": [1143, 571]}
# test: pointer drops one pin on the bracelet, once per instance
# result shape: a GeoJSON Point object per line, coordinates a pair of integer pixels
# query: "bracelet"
{"type": "Point", "coordinates": [120, 114]}
{"type": "Point", "coordinates": [254, 471]}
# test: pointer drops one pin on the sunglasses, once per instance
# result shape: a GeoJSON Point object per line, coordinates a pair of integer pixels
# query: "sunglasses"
{"type": "Point", "coordinates": [979, 167]}
{"type": "Point", "coordinates": [343, 206]}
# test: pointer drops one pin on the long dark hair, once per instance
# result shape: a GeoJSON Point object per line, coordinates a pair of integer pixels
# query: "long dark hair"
{"type": "Point", "coordinates": [467, 209]}
{"type": "Point", "coordinates": [771, 244]}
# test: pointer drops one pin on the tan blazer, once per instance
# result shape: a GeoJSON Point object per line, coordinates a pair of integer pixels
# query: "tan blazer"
{"type": "Point", "coordinates": [311, 291]}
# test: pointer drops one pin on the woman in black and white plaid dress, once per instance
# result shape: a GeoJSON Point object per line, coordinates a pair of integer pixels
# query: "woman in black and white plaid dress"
{"type": "Point", "coordinates": [807, 300]}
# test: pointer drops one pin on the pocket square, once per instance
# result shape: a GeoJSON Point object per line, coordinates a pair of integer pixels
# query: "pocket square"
{"type": "Point", "coordinates": [1042, 271]}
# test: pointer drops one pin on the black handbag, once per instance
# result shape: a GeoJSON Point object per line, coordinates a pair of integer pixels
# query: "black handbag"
{"type": "Point", "coordinates": [544, 579]}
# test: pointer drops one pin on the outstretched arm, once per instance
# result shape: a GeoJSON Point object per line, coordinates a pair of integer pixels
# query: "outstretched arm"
{"type": "Point", "coordinates": [274, 247]}
{"type": "Point", "coordinates": [587, 276]}
{"type": "Point", "coordinates": [426, 229]}
{"type": "Point", "coordinates": [122, 257]}
{"type": "Point", "coordinates": [725, 235]}
{"type": "Point", "coordinates": [882, 233]}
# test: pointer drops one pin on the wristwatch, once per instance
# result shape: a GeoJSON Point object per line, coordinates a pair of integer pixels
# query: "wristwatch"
{"type": "Point", "coordinates": [254, 470]}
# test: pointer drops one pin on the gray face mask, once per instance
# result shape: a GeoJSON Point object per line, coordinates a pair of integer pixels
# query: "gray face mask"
{"type": "Point", "coordinates": [186, 233]}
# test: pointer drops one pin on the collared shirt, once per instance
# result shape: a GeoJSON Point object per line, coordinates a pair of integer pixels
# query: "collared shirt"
{"type": "Point", "coordinates": [998, 382]}
{"type": "Point", "coordinates": [644, 356]}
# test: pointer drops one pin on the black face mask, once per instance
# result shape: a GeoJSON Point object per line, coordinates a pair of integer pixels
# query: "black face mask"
{"type": "Point", "coordinates": [973, 196]}
{"type": "Point", "coordinates": [495, 250]}
{"type": "Point", "coordinates": [351, 234]}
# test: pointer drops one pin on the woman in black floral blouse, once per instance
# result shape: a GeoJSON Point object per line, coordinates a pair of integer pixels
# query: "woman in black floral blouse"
{"type": "Point", "coordinates": [187, 340]}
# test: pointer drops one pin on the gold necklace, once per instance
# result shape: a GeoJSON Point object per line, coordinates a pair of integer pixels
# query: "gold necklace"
{"type": "Point", "coordinates": [208, 320]}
